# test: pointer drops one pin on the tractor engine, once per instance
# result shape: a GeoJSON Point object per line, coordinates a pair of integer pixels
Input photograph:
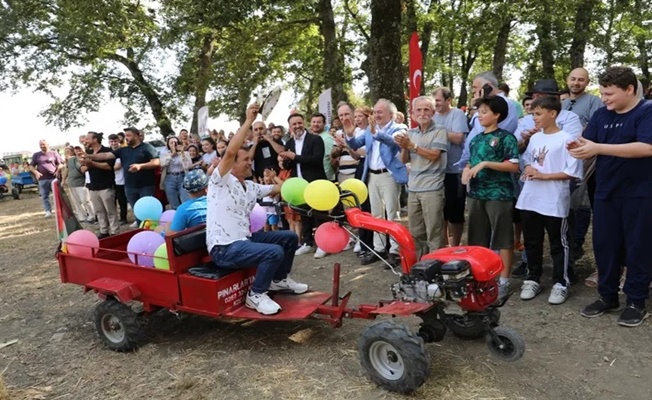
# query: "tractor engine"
{"type": "Point", "coordinates": [433, 280]}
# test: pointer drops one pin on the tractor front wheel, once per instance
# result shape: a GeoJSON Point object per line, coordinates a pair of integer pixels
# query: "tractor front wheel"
{"type": "Point", "coordinates": [394, 357]}
{"type": "Point", "coordinates": [506, 344]}
{"type": "Point", "coordinates": [119, 327]}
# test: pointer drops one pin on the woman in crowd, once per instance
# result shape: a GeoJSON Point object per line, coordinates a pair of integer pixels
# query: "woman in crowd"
{"type": "Point", "coordinates": [174, 164]}
{"type": "Point", "coordinates": [76, 181]}
{"type": "Point", "coordinates": [221, 147]}
{"type": "Point", "coordinates": [195, 157]}
{"type": "Point", "coordinates": [209, 147]}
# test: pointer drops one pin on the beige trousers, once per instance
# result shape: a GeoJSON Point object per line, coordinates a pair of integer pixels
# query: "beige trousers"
{"type": "Point", "coordinates": [384, 200]}
{"type": "Point", "coordinates": [426, 218]}
{"type": "Point", "coordinates": [106, 211]}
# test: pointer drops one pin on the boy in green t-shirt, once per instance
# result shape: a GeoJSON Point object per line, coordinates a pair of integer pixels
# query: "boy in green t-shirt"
{"type": "Point", "coordinates": [494, 157]}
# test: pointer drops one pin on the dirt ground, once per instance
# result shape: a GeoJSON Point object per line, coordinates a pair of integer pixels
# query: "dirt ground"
{"type": "Point", "coordinates": [59, 356]}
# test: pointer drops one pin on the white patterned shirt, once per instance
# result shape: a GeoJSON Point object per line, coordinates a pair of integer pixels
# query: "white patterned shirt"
{"type": "Point", "coordinates": [229, 206]}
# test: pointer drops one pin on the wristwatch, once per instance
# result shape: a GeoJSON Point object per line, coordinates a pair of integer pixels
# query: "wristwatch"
{"type": "Point", "coordinates": [414, 148]}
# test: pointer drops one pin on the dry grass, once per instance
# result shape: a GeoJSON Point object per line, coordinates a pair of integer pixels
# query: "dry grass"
{"type": "Point", "coordinates": [199, 358]}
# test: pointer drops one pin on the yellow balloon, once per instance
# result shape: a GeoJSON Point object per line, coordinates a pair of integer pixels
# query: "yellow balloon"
{"type": "Point", "coordinates": [357, 187]}
{"type": "Point", "coordinates": [322, 195]}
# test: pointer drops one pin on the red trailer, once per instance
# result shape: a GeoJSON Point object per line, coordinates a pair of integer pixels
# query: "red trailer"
{"type": "Point", "coordinates": [453, 288]}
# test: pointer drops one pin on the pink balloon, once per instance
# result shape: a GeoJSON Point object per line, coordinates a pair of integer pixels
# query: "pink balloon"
{"type": "Point", "coordinates": [257, 218]}
{"type": "Point", "coordinates": [81, 243]}
{"type": "Point", "coordinates": [331, 237]}
{"type": "Point", "coordinates": [144, 244]}
{"type": "Point", "coordinates": [166, 217]}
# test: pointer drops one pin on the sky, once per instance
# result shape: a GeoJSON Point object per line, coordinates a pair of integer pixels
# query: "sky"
{"type": "Point", "coordinates": [24, 128]}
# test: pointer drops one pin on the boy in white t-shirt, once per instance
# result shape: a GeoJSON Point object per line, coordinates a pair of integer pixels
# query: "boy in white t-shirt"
{"type": "Point", "coordinates": [545, 200]}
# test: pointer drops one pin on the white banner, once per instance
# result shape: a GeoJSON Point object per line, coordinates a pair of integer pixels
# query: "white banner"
{"type": "Point", "coordinates": [326, 105]}
{"type": "Point", "coordinates": [202, 122]}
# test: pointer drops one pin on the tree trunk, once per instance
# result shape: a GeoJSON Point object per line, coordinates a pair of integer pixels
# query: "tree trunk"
{"type": "Point", "coordinates": [467, 63]}
{"type": "Point", "coordinates": [203, 79]}
{"type": "Point", "coordinates": [146, 89]}
{"type": "Point", "coordinates": [546, 42]}
{"type": "Point", "coordinates": [583, 17]}
{"type": "Point", "coordinates": [500, 48]}
{"type": "Point", "coordinates": [643, 58]}
{"type": "Point", "coordinates": [332, 57]}
{"type": "Point", "coordinates": [386, 78]}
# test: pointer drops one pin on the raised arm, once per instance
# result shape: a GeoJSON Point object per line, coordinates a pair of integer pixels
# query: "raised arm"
{"type": "Point", "coordinates": [238, 140]}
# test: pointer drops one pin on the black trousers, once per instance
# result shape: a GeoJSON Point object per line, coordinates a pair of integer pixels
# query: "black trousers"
{"type": "Point", "coordinates": [535, 227]}
{"type": "Point", "coordinates": [121, 199]}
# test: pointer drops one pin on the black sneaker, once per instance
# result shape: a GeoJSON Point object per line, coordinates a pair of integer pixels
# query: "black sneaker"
{"type": "Point", "coordinates": [371, 258]}
{"type": "Point", "coordinates": [521, 271]}
{"type": "Point", "coordinates": [632, 316]}
{"type": "Point", "coordinates": [599, 307]}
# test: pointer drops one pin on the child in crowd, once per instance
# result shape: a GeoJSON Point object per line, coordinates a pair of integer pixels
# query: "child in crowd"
{"type": "Point", "coordinates": [494, 157]}
{"type": "Point", "coordinates": [271, 223]}
{"type": "Point", "coordinates": [544, 202]}
{"type": "Point", "coordinates": [294, 219]}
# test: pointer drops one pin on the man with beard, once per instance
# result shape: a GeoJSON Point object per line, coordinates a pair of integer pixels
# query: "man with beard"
{"type": "Point", "coordinates": [305, 153]}
{"type": "Point", "coordinates": [139, 161]}
{"type": "Point", "coordinates": [265, 150]}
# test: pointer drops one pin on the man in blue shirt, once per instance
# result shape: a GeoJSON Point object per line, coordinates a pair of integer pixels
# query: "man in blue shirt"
{"type": "Point", "coordinates": [191, 212]}
{"type": "Point", "coordinates": [620, 135]}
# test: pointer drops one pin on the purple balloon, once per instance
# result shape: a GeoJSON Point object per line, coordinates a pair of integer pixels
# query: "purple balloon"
{"type": "Point", "coordinates": [166, 217]}
{"type": "Point", "coordinates": [257, 218]}
{"type": "Point", "coordinates": [144, 244]}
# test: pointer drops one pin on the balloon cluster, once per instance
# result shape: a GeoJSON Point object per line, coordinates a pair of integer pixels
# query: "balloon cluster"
{"type": "Point", "coordinates": [323, 195]}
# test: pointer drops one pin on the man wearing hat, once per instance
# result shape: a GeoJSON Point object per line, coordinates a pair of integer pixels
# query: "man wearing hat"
{"type": "Point", "coordinates": [191, 212]}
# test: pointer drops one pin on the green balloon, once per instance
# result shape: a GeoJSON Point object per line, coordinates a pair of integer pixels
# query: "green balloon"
{"type": "Point", "coordinates": [292, 191]}
{"type": "Point", "coordinates": [161, 257]}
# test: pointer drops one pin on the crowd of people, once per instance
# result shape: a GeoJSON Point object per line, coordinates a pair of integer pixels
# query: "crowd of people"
{"type": "Point", "coordinates": [515, 170]}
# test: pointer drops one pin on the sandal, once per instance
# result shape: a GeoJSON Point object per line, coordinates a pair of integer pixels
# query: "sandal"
{"type": "Point", "coordinates": [592, 280]}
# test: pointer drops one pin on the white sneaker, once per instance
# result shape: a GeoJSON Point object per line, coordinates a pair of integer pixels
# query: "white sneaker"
{"type": "Point", "coordinates": [320, 253]}
{"type": "Point", "coordinates": [357, 248]}
{"type": "Point", "coordinates": [558, 294]}
{"type": "Point", "coordinates": [530, 290]}
{"type": "Point", "coordinates": [288, 284]}
{"type": "Point", "coordinates": [134, 225]}
{"type": "Point", "coordinates": [348, 246]}
{"type": "Point", "coordinates": [303, 249]}
{"type": "Point", "coordinates": [48, 214]}
{"type": "Point", "coordinates": [262, 303]}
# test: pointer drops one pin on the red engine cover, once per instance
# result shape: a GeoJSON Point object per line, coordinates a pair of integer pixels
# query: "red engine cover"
{"type": "Point", "coordinates": [485, 264]}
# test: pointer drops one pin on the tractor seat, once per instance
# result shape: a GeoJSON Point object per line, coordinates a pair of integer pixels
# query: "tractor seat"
{"type": "Point", "coordinates": [210, 271]}
{"type": "Point", "coordinates": [189, 243]}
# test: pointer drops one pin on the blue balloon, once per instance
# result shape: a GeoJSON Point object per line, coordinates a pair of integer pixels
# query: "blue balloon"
{"type": "Point", "coordinates": [3, 180]}
{"type": "Point", "coordinates": [148, 207]}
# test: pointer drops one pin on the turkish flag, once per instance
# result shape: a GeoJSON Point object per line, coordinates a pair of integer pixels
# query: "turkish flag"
{"type": "Point", "coordinates": [416, 66]}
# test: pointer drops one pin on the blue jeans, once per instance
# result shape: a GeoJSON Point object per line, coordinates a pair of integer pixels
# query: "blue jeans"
{"type": "Point", "coordinates": [174, 190]}
{"type": "Point", "coordinates": [44, 189]}
{"type": "Point", "coordinates": [135, 193]}
{"type": "Point", "coordinates": [271, 253]}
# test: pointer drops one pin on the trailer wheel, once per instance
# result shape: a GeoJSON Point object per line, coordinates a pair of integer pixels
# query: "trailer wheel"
{"type": "Point", "coordinates": [15, 193]}
{"type": "Point", "coordinates": [507, 345]}
{"type": "Point", "coordinates": [119, 327]}
{"type": "Point", "coordinates": [394, 357]}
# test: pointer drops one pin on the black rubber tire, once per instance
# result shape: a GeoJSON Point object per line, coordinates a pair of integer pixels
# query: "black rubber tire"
{"type": "Point", "coordinates": [514, 344]}
{"type": "Point", "coordinates": [15, 193]}
{"type": "Point", "coordinates": [20, 188]}
{"type": "Point", "coordinates": [466, 327]}
{"type": "Point", "coordinates": [396, 342]}
{"type": "Point", "coordinates": [433, 331]}
{"type": "Point", "coordinates": [111, 315]}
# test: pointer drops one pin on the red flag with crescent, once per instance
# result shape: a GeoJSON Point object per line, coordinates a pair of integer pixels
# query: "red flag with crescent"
{"type": "Point", "coordinates": [416, 72]}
